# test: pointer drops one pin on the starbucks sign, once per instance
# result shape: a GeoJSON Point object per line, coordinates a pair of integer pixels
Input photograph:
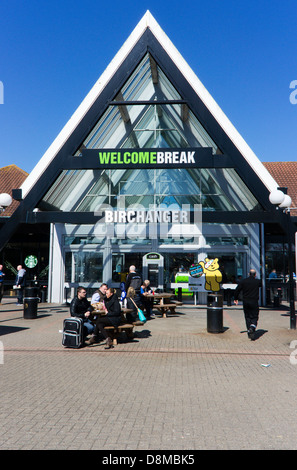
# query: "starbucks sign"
{"type": "Point", "coordinates": [31, 261]}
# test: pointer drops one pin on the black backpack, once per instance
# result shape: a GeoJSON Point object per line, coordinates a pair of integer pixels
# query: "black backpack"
{"type": "Point", "coordinates": [136, 282]}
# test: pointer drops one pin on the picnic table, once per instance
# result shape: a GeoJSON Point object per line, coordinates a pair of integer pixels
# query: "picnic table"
{"type": "Point", "coordinates": [114, 331]}
{"type": "Point", "coordinates": [165, 303]}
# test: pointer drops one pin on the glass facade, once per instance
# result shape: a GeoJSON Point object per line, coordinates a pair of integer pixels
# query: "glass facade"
{"type": "Point", "coordinates": [147, 103]}
{"type": "Point", "coordinates": [148, 126]}
{"type": "Point", "coordinates": [147, 113]}
{"type": "Point", "coordinates": [87, 190]}
{"type": "Point", "coordinates": [143, 126]}
{"type": "Point", "coordinates": [83, 267]}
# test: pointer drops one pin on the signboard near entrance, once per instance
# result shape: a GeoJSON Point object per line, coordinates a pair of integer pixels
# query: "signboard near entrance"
{"type": "Point", "coordinates": [152, 256]}
{"type": "Point", "coordinates": [153, 269]}
{"type": "Point", "coordinates": [196, 270]}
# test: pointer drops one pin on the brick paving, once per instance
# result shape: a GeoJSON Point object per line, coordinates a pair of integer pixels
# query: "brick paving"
{"type": "Point", "coordinates": [175, 387]}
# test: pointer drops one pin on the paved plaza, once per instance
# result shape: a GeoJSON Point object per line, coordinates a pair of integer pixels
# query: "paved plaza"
{"type": "Point", "coordinates": [174, 387]}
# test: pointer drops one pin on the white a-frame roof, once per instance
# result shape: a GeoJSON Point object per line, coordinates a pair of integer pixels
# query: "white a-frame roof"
{"type": "Point", "coordinates": [148, 22]}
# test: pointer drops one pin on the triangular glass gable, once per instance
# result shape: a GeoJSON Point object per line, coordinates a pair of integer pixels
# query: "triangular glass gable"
{"type": "Point", "coordinates": [148, 126]}
{"type": "Point", "coordinates": [153, 125]}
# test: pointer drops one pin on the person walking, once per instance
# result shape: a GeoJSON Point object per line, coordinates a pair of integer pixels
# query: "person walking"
{"type": "Point", "coordinates": [250, 299]}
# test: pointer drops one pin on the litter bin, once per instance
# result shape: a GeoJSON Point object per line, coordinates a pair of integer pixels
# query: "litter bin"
{"type": "Point", "coordinates": [43, 293]}
{"type": "Point", "coordinates": [31, 300]}
{"type": "Point", "coordinates": [277, 298]}
{"type": "Point", "coordinates": [215, 313]}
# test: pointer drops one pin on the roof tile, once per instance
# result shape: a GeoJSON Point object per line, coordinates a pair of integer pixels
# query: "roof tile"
{"type": "Point", "coordinates": [11, 177]}
{"type": "Point", "coordinates": [285, 174]}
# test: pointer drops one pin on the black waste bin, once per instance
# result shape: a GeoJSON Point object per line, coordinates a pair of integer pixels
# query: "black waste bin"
{"type": "Point", "coordinates": [277, 298]}
{"type": "Point", "coordinates": [276, 301]}
{"type": "Point", "coordinates": [215, 313]}
{"type": "Point", "coordinates": [43, 293]}
{"type": "Point", "coordinates": [31, 300]}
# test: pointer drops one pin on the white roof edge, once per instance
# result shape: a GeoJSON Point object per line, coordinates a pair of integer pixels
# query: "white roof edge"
{"type": "Point", "coordinates": [148, 21]}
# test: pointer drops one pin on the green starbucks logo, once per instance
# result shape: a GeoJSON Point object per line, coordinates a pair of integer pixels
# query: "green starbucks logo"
{"type": "Point", "coordinates": [31, 261]}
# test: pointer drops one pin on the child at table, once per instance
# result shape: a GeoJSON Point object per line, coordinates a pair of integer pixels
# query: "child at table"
{"type": "Point", "coordinates": [147, 303]}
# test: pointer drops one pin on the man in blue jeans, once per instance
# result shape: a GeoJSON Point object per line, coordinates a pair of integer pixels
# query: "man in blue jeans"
{"type": "Point", "coordinates": [81, 307]}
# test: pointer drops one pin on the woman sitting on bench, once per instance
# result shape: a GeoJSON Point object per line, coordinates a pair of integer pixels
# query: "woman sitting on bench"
{"type": "Point", "coordinates": [132, 303]}
{"type": "Point", "coordinates": [112, 318]}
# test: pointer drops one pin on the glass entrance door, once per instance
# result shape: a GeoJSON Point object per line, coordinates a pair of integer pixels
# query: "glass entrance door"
{"type": "Point", "coordinates": [121, 263]}
{"type": "Point", "coordinates": [83, 268]}
{"type": "Point", "coordinates": [176, 262]}
{"type": "Point", "coordinates": [233, 266]}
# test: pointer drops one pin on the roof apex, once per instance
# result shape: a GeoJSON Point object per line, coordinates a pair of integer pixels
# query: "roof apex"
{"type": "Point", "coordinates": [148, 21]}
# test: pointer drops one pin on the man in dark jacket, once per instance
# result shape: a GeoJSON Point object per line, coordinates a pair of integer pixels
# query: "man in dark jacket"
{"type": "Point", "coordinates": [81, 307]}
{"type": "Point", "coordinates": [134, 280]}
{"type": "Point", "coordinates": [250, 296]}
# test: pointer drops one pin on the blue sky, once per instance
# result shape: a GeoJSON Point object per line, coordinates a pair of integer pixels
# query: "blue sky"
{"type": "Point", "coordinates": [52, 53]}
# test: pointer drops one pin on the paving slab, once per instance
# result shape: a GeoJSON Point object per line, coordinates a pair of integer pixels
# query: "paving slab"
{"type": "Point", "coordinates": [175, 387]}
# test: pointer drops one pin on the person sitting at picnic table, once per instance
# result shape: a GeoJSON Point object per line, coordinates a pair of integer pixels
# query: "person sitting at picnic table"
{"type": "Point", "coordinates": [132, 303]}
{"type": "Point", "coordinates": [113, 317]}
{"type": "Point", "coordinates": [81, 307]}
{"type": "Point", "coordinates": [147, 303]}
{"type": "Point", "coordinates": [100, 294]}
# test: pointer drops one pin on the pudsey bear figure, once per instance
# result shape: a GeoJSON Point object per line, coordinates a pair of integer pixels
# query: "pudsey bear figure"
{"type": "Point", "coordinates": [213, 276]}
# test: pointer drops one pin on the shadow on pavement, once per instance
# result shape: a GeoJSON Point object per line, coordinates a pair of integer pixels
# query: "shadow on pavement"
{"type": "Point", "coordinates": [6, 330]}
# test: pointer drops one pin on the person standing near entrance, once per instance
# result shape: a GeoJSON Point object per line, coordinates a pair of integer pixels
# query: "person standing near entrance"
{"type": "Point", "coordinates": [134, 280]}
{"type": "Point", "coordinates": [20, 282]}
{"type": "Point", "coordinates": [250, 296]}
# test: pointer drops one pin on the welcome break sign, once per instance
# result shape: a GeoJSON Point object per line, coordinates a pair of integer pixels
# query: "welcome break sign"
{"type": "Point", "coordinates": [146, 158]}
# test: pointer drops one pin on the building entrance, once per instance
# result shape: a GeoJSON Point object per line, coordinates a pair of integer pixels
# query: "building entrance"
{"type": "Point", "coordinates": [89, 261]}
{"type": "Point", "coordinates": [159, 268]}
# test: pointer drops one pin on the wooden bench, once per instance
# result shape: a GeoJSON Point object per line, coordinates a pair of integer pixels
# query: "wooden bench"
{"type": "Point", "coordinates": [163, 308]}
{"type": "Point", "coordinates": [114, 331]}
